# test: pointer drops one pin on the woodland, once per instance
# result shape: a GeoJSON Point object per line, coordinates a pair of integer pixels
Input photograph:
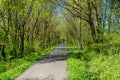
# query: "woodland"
{"type": "Point", "coordinates": [31, 29]}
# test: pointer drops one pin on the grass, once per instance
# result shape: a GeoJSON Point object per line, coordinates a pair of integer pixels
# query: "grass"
{"type": "Point", "coordinates": [11, 69]}
{"type": "Point", "coordinates": [86, 65]}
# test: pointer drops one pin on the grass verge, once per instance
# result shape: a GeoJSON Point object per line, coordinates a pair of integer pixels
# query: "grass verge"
{"type": "Point", "coordinates": [86, 65]}
{"type": "Point", "coordinates": [10, 70]}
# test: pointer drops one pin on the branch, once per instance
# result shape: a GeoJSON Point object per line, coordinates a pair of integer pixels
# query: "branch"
{"type": "Point", "coordinates": [80, 15]}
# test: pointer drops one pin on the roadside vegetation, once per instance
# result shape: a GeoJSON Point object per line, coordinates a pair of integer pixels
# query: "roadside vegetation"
{"type": "Point", "coordinates": [11, 69]}
{"type": "Point", "coordinates": [87, 65]}
{"type": "Point", "coordinates": [28, 32]}
{"type": "Point", "coordinates": [93, 33]}
{"type": "Point", "coordinates": [90, 27]}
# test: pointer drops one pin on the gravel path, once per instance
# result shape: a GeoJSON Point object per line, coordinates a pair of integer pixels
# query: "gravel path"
{"type": "Point", "coordinates": [51, 67]}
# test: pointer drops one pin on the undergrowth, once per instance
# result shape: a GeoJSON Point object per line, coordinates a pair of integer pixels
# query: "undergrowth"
{"type": "Point", "coordinates": [12, 68]}
{"type": "Point", "coordinates": [86, 65]}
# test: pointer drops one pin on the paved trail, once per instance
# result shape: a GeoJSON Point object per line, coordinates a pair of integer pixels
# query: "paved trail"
{"type": "Point", "coordinates": [52, 67]}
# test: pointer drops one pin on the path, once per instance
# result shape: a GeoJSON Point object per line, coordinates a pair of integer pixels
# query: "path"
{"type": "Point", "coordinates": [52, 67]}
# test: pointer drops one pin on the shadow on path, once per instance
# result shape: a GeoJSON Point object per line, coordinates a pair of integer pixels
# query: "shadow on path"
{"type": "Point", "coordinates": [57, 55]}
{"type": "Point", "coordinates": [51, 67]}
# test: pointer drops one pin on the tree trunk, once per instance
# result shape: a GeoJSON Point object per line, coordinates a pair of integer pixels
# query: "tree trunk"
{"type": "Point", "coordinates": [81, 41]}
{"type": "Point", "coordinates": [22, 41]}
{"type": "Point", "coordinates": [92, 27]}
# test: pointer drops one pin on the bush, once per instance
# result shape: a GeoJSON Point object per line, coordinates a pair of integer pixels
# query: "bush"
{"type": "Point", "coordinates": [29, 49]}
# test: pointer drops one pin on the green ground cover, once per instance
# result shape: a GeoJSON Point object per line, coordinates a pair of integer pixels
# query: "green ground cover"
{"type": "Point", "coordinates": [86, 65]}
{"type": "Point", "coordinates": [11, 69]}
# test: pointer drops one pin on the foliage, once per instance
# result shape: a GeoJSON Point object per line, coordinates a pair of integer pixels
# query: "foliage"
{"type": "Point", "coordinates": [91, 66]}
{"type": "Point", "coordinates": [93, 26]}
{"type": "Point", "coordinates": [23, 24]}
{"type": "Point", "coordinates": [13, 68]}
